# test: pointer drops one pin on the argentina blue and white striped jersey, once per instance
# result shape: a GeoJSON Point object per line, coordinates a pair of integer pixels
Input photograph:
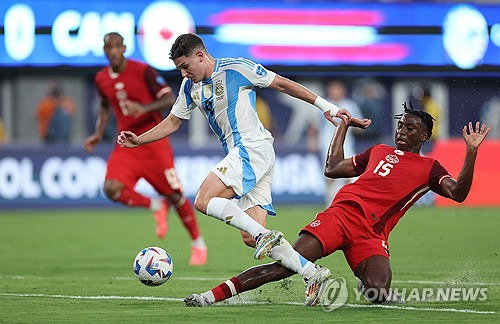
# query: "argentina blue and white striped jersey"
{"type": "Point", "coordinates": [227, 99]}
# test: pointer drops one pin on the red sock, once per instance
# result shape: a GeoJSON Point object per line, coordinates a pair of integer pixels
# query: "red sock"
{"type": "Point", "coordinates": [227, 289]}
{"type": "Point", "coordinates": [188, 217]}
{"type": "Point", "coordinates": [133, 199]}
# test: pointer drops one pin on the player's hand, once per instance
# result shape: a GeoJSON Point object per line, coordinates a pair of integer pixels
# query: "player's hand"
{"type": "Point", "coordinates": [133, 108]}
{"type": "Point", "coordinates": [91, 142]}
{"type": "Point", "coordinates": [474, 137]}
{"type": "Point", "coordinates": [343, 114]}
{"type": "Point", "coordinates": [128, 139]}
{"type": "Point", "coordinates": [361, 123]}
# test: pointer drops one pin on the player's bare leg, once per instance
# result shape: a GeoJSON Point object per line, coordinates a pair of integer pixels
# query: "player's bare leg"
{"type": "Point", "coordinates": [307, 245]}
{"type": "Point", "coordinates": [258, 214]}
{"type": "Point", "coordinates": [117, 191]}
{"type": "Point", "coordinates": [214, 199]}
{"type": "Point", "coordinates": [375, 274]}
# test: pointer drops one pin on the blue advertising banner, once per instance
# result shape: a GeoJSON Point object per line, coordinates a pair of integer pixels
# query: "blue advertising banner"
{"type": "Point", "coordinates": [274, 33]}
{"type": "Point", "coordinates": [60, 176]}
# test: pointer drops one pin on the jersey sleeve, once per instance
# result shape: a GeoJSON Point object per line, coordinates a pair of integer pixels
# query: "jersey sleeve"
{"type": "Point", "coordinates": [184, 105]}
{"type": "Point", "coordinates": [255, 73]}
{"type": "Point", "coordinates": [436, 176]}
{"type": "Point", "coordinates": [156, 83]}
{"type": "Point", "coordinates": [360, 161]}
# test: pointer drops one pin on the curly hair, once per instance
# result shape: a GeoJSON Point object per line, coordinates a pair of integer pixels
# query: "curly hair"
{"type": "Point", "coordinates": [185, 45]}
{"type": "Point", "coordinates": [426, 118]}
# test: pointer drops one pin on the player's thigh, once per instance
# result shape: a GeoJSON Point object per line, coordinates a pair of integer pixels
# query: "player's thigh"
{"type": "Point", "coordinates": [162, 176]}
{"type": "Point", "coordinates": [243, 167]}
{"type": "Point", "coordinates": [122, 170]}
{"type": "Point", "coordinates": [328, 229]}
{"type": "Point", "coordinates": [309, 246]}
{"type": "Point", "coordinates": [369, 259]}
{"type": "Point", "coordinates": [211, 187]}
{"type": "Point", "coordinates": [260, 198]}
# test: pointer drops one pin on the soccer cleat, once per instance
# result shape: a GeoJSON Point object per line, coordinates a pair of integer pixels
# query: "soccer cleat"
{"type": "Point", "coordinates": [196, 300]}
{"type": "Point", "coordinates": [198, 256]}
{"type": "Point", "coordinates": [265, 243]}
{"type": "Point", "coordinates": [161, 216]}
{"type": "Point", "coordinates": [316, 285]}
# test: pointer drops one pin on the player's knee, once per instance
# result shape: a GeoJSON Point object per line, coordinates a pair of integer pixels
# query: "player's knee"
{"type": "Point", "coordinates": [376, 290]}
{"type": "Point", "coordinates": [112, 189]}
{"type": "Point", "coordinates": [200, 203]}
{"type": "Point", "coordinates": [248, 239]}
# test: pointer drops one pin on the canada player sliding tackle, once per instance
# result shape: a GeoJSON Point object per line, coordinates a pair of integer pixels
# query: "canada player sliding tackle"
{"type": "Point", "coordinates": [363, 213]}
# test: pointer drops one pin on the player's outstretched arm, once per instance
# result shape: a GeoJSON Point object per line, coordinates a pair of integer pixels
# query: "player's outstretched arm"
{"type": "Point", "coordinates": [459, 189]}
{"type": "Point", "coordinates": [336, 165]}
{"type": "Point", "coordinates": [167, 126]}
{"type": "Point", "coordinates": [163, 103]}
{"type": "Point", "coordinates": [298, 91]}
{"type": "Point", "coordinates": [103, 116]}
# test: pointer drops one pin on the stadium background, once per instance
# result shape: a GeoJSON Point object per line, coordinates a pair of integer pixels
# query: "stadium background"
{"type": "Point", "coordinates": [311, 42]}
{"type": "Point", "coordinates": [400, 46]}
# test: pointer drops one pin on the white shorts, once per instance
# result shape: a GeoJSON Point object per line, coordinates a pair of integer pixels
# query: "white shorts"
{"type": "Point", "coordinates": [249, 171]}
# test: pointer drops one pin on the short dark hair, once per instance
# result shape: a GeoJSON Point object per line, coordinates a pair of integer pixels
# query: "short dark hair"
{"type": "Point", "coordinates": [426, 118]}
{"type": "Point", "coordinates": [113, 34]}
{"type": "Point", "coordinates": [185, 45]}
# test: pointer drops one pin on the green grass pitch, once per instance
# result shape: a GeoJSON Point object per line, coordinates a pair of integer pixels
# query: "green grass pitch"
{"type": "Point", "coordinates": [76, 266]}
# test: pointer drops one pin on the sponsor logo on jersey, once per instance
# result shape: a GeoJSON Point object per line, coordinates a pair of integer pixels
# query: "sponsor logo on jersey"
{"type": "Point", "coordinates": [399, 152]}
{"type": "Point", "coordinates": [315, 223]}
{"type": "Point", "coordinates": [119, 85]}
{"type": "Point", "coordinates": [391, 158]}
{"type": "Point", "coordinates": [222, 170]}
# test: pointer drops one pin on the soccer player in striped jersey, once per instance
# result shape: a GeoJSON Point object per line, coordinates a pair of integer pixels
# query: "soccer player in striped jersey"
{"type": "Point", "coordinates": [238, 189]}
{"type": "Point", "coordinates": [363, 213]}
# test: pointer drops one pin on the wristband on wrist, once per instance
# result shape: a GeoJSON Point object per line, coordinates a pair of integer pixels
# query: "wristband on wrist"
{"type": "Point", "coordinates": [325, 106]}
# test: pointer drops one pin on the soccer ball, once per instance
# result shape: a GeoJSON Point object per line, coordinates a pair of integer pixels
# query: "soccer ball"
{"type": "Point", "coordinates": [153, 266]}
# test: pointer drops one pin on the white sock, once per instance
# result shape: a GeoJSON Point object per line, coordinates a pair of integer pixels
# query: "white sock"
{"type": "Point", "coordinates": [210, 296]}
{"type": "Point", "coordinates": [291, 259]}
{"type": "Point", "coordinates": [155, 204]}
{"type": "Point", "coordinates": [199, 242]}
{"type": "Point", "coordinates": [227, 211]}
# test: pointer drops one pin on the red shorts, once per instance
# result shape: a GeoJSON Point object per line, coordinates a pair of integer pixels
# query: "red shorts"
{"type": "Point", "coordinates": [344, 227]}
{"type": "Point", "coordinates": [127, 166]}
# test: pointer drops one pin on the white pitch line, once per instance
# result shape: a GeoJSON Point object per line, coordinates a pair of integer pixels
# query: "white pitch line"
{"type": "Point", "coordinates": [94, 297]}
{"type": "Point", "coordinates": [409, 308]}
{"type": "Point", "coordinates": [423, 282]}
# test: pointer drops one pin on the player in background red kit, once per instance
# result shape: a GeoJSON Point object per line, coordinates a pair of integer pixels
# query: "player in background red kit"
{"type": "Point", "coordinates": [363, 213]}
{"type": "Point", "coordinates": [138, 94]}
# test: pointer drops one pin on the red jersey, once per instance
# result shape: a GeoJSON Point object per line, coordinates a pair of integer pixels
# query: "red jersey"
{"type": "Point", "coordinates": [140, 83]}
{"type": "Point", "coordinates": [390, 182]}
